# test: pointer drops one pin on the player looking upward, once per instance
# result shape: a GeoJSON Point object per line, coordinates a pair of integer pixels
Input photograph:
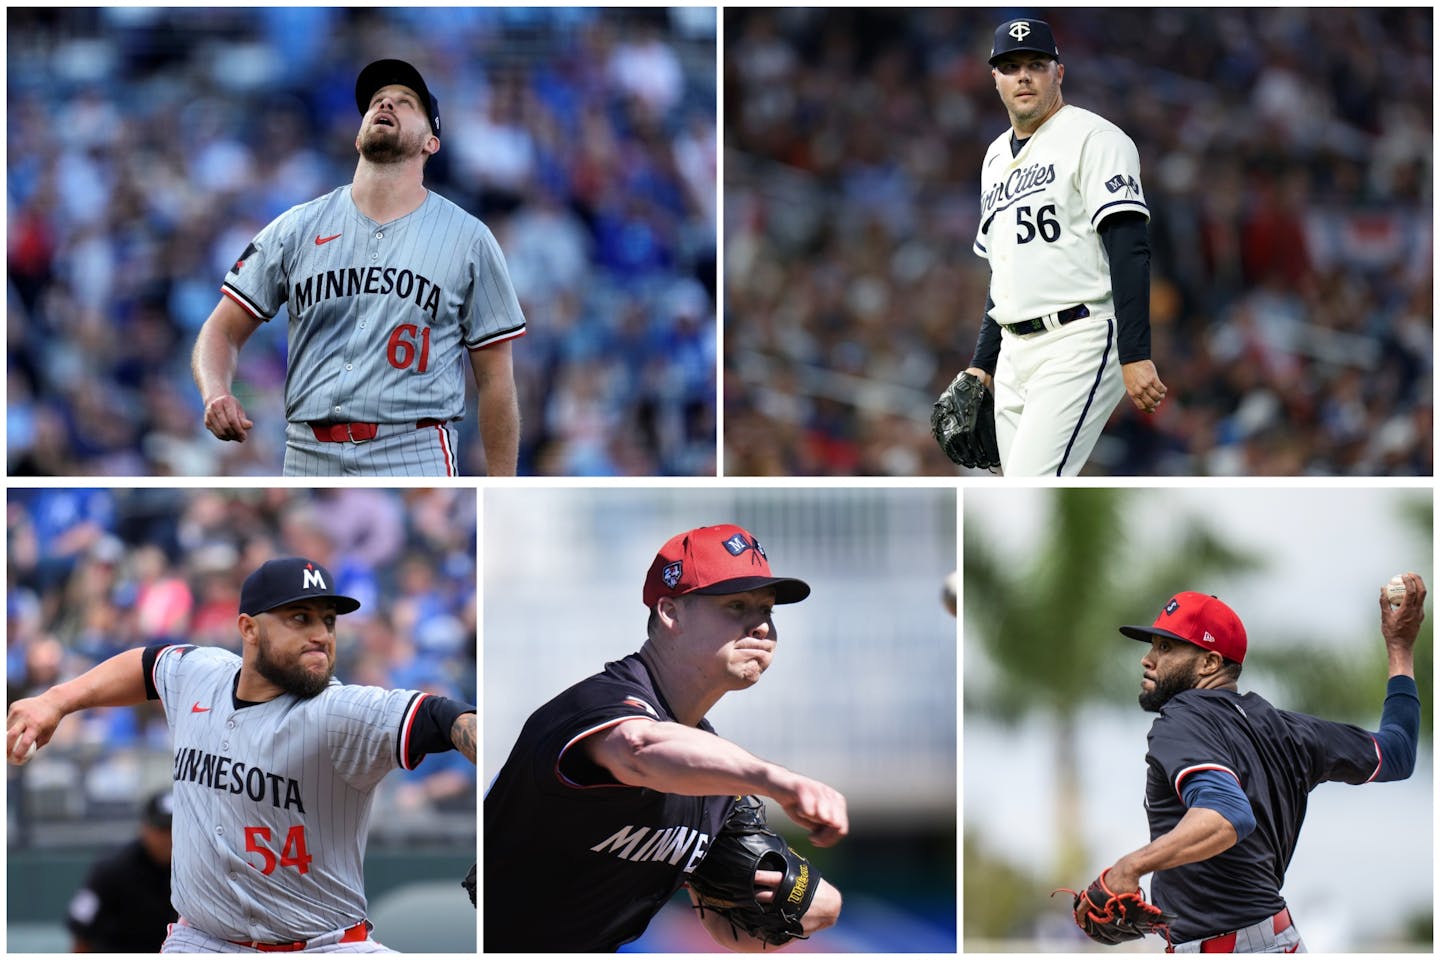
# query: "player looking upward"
{"type": "Point", "coordinates": [388, 285]}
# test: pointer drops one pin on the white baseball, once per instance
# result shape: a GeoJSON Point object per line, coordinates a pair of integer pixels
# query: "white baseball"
{"type": "Point", "coordinates": [950, 592]}
{"type": "Point", "coordinates": [1395, 590]}
{"type": "Point", "coordinates": [28, 754]}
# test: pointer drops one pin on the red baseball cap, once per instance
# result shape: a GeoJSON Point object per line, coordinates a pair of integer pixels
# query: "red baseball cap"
{"type": "Point", "coordinates": [716, 560]}
{"type": "Point", "coordinates": [1200, 619]}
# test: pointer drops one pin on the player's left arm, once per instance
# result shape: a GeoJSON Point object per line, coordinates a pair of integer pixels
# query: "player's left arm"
{"type": "Point", "coordinates": [1127, 244]}
{"type": "Point", "coordinates": [499, 407]}
{"type": "Point", "coordinates": [1399, 734]}
{"type": "Point", "coordinates": [1201, 834]}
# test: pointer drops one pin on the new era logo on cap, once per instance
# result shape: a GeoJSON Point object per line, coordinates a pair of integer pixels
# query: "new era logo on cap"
{"type": "Point", "coordinates": [1197, 618]}
{"type": "Point", "coordinates": [720, 559]}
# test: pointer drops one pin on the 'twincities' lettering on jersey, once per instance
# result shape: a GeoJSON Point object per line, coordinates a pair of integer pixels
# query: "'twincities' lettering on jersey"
{"type": "Point", "coordinates": [353, 281]}
{"type": "Point", "coordinates": [1021, 181]}
{"type": "Point", "coordinates": [660, 844]}
{"type": "Point", "coordinates": [221, 773]}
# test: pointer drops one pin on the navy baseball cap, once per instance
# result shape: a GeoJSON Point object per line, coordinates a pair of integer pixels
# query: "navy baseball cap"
{"type": "Point", "coordinates": [1197, 618]}
{"type": "Point", "coordinates": [716, 560]}
{"type": "Point", "coordinates": [382, 73]}
{"type": "Point", "coordinates": [278, 582]}
{"type": "Point", "coordinates": [1023, 35]}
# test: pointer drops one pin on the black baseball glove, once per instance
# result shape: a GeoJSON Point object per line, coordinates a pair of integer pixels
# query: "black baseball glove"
{"type": "Point", "coordinates": [963, 422]}
{"type": "Point", "coordinates": [1108, 917]}
{"type": "Point", "coordinates": [725, 880]}
{"type": "Point", "coordinates": [469, 884]}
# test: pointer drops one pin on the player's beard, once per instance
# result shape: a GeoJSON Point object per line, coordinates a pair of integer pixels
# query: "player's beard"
{"type": "Point", "coordinates": [1177, 682]}
{"type": "Point", "coordinates": [389, 145]}
{"type": "Point", "coordinates": [292, 678]}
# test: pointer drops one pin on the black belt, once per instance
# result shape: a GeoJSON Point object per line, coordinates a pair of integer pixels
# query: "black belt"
{"type": "Point", "coordinates": [1027, 327]}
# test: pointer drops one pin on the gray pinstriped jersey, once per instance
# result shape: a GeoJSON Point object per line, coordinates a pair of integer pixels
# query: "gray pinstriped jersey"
{"type": "Point", "coordinates": [272, 801]}
{"type": "Point", "coordinates": [381, 315]}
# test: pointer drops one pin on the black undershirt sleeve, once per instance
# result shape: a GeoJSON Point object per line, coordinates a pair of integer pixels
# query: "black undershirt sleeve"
{"type": "Point", "coordinates": [431, 732]}
{"type": "Point", "coordinates": [1127, 241]}
{"type": "Point", "coordinates": [987, 344]}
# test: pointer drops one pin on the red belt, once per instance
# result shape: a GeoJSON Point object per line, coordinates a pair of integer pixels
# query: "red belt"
{"type": "Point", "coordinates": [1225, 943]}
{"type": "Point", "coordinates": [358, 432]}
{"type": "Point", "coordinates": [356, 934]}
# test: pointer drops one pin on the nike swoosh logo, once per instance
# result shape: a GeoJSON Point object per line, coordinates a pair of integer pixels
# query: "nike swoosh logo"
{"type": "Point", "coordinates": [319, 239]}
{"type": "Point", "coordinates": [199, 709]}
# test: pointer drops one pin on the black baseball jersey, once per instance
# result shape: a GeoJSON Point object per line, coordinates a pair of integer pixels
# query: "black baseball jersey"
{"type": "Point", "coordinates": [124, 904]}
{"type": "Point", "coordinates": [1277, 757]}
{"type": "Point", "coordinates": [575, 860]}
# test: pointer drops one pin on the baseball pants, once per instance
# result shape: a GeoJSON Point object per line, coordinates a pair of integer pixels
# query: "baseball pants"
{"type": "Point", "coordinates": [398, 450]}
{"type": "Point", "coordinates": [1259, 937]}
{"type": "Point", "coordinates": [1054, 391]}
{"type": "Point", "coordinates": [184, 938]}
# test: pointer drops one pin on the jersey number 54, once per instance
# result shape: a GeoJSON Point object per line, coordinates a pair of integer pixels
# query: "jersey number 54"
{"type": "Point", "coordinates": [292, 854]}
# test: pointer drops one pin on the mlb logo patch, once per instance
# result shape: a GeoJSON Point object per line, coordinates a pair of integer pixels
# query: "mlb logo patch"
{"type": "Point", "coordinates": [672, 572]}
{"type": "Point", "coordinates": [1172, 606]}
{"type": "Point", "coordinates": [737, 545]}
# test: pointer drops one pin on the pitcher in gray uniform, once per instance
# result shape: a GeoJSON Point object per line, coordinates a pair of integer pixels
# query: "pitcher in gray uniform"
{"type": "Point", "coordinates": [388, 285]}
{"type": "Point", "coordinates": [275, 766]}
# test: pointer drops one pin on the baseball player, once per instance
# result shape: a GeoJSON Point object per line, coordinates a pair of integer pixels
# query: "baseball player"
{"type": "Point", "coordinates": [1229, 774]}
{"type": "Point", "coordinates": [275, 766]}
{"type": "Point", "coordinates": [124, 904]}
{"type": "Point", "coordinates": [1063, 221]}
{"type": "Point", "coordinates": [388, 284]}
{"type": "Point", "coordinates": [616, 790]}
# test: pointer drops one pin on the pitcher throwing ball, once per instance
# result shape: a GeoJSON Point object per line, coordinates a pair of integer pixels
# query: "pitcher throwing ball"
{"type": "Point", "coordinates": [1229, 778]}
{"type": "Point", "coordinates": [388, 286]}
{"type": "Point", "coordinates": [618, 792]}
{"type": "Point", "coordinates": [1066, 329]}
{"type": "Point", "coordinates": [276, 763]}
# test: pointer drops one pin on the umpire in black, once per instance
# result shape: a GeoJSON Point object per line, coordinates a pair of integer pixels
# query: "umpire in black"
{"type": "Point", "coordinates": [1230, 775]}
{"type": "Point", "coordinates": [124, 904]}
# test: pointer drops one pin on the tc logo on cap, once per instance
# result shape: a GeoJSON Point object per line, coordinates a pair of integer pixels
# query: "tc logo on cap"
{"type": "Point", "coordinates": [1020, 31]}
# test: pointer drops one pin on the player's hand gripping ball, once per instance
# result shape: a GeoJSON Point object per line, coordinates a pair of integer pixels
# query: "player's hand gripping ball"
{"type": "Point", "coordinates": [20, 761]}
{"type": "Point", "coordinates": [1395, 590]}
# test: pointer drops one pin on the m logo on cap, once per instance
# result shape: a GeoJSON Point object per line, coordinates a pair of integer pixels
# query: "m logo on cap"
{"type": "Point", "coordinates": [1020, 31]}
{"type": "Point", "coordinates": [313, 579]}
{"type": "Point", "coordinates": [737, 545]}
{"type": "Point", "coordinates": [671, 574]}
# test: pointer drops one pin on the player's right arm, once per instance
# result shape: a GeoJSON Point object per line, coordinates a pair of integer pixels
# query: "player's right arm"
{"type": "Point", "coordinates": [673, 758]}
{"type": "Point", "coordinates": [117, 682]}
{"type": "Point", "coordinates": [213, 363]}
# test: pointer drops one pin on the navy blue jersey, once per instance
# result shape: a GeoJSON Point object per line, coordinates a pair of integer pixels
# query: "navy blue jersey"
{"type": "Point", "coordinates": [575, 860]}
{"type": "Point", "coordinates": [1277, 757]}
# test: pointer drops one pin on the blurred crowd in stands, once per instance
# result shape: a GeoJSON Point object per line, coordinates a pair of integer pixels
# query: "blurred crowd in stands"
{"type": "Point", "coordinates": [91, 573]}
{"type": "Point", "coordinates": [147, 146]}
{"type": "Point", "coordinates": [1287, 160]}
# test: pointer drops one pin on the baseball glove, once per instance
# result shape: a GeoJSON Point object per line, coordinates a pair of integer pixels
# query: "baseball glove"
{"type": "Point", "coordinates": [469, 883]}
{"type": "Point", "coordinates": [1108, 917]}
{"type": "Point", "coordinates": [963, 422]}
{"type": "Point", "coordinates": [725, 880]}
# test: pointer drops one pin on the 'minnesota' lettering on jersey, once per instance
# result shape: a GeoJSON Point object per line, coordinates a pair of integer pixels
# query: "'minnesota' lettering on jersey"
{"type": "Point", "coordinates": [667, 844]}
{"type": "Point", "coordinates": [222, 773]}
{"type": "Point", "coordinates": [1024, 179]}
{"type": "Point", "coordinates": [353, 281]}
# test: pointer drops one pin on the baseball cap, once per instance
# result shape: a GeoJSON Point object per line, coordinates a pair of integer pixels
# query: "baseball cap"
{"type": "Point", "coordinates": [1024, 34]}
{"type": "Point", "coordinates": [382, 73]}
{"type": "Point", "coordinates": [278, 582]}
{"type": "Point", "coordinates": [713, 560]}
{"type": "Point", "coordinates": [160, 809]}
{"type": "Point", "coordinates": [1200, 619]}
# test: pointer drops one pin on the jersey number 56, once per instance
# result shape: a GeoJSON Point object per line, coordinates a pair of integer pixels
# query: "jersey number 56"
{"type": "Point", "coordinates": [292, 854]}
{"type": "Point", "coordinates": [1047, 226]}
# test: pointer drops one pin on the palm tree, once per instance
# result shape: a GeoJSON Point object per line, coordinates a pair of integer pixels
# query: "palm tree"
{"type": "Point", "coordinates": [1049, 622]}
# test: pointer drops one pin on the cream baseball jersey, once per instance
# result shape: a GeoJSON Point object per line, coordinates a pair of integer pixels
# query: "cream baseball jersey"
{"type": "Point", "coordinates": [380, 314]}
{"type": "Point", "coordinates": [1041, 209]}
{"type": "Point", "coordinates": [272, 800]}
